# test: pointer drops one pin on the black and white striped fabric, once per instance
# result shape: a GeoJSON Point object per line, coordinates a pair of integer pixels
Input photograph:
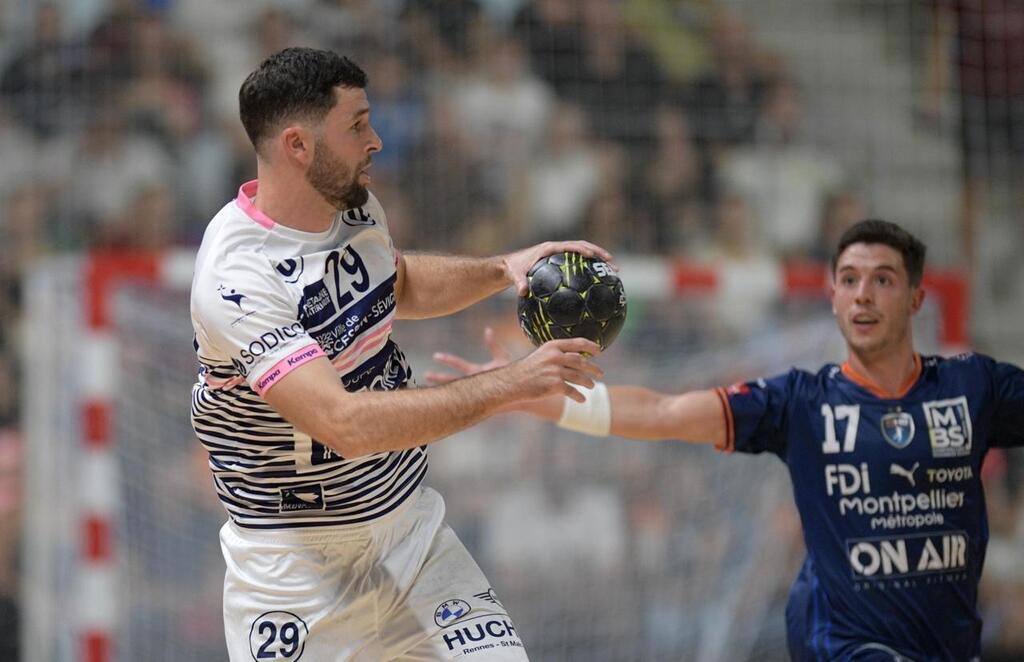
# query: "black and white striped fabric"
{"type": "Point", "coordinates": [265, 300]}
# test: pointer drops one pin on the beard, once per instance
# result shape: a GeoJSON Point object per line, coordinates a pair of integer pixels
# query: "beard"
{"type": "Point", "coordinates": [334, 181]}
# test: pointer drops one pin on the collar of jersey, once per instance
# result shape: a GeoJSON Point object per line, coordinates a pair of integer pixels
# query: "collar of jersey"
{"type": "Point", "coordinates": [878, 391]}
{"type": "Point", "coordinates": [246, 195]}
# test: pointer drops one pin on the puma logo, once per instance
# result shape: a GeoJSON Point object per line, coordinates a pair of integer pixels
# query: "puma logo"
{"type": "Point", "coordinates": [897, 470]}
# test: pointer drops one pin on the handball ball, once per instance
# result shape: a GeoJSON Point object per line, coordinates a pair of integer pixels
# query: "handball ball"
{"type": "Point", "coordinates": [572, 296]}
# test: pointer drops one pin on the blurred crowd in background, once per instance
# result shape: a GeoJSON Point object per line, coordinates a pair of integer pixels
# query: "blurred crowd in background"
{"type": "Point", "coordinates": [648, 126]}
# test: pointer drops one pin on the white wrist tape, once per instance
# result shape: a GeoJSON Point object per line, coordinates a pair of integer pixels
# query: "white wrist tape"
{"type": "Point", "coordinates": [593, 416]}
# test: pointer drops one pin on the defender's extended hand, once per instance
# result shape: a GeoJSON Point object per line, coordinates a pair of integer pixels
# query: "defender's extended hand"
{"type": "Point", "coordinates": [500, 357]}
{"type": "Point", "coordinates": [548, 370]}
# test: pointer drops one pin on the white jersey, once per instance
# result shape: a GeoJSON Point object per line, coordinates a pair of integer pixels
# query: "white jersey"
{"type": "Point", "coordinates": [266, 299]}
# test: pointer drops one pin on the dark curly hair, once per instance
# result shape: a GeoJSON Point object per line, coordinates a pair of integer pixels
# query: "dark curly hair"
{"type": "Point", "coordinates": [293, 83]}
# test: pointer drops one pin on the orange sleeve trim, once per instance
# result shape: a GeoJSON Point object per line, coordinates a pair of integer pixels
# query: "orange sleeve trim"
{"type": "Point", "coordinates": [730, 431]}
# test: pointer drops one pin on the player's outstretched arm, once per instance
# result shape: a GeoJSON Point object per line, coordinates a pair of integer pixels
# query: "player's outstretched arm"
{"type": "Point", "coordinates": [634, 412]}
{"type": "Point", "coordinates": [356, 424]}
{"type": "Point", "coordinates": [437, 285]}
{"type": "Point", "coordinates": [642, 413]}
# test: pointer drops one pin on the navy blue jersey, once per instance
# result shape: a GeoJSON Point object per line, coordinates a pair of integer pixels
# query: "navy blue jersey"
{"type": "Point", "coordinates": [890, 497]}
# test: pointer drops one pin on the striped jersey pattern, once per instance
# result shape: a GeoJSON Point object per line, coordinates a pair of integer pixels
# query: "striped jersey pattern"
{"type": "Point", "coordinates": [267, 299]}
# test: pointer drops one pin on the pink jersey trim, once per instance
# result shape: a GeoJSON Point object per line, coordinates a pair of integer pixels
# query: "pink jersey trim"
{"type": "Point", "coordinates": [224, 384]}
{"type": "Point", "coordinates": [246, 193]}
{"type": "Point", "coordinates": [286, 365]}
{"type": "Point", "coordinates": [350, 358]}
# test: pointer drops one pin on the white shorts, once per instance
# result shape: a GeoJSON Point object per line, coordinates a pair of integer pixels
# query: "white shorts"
{"type": "Point", "coordinates": [402, 587]}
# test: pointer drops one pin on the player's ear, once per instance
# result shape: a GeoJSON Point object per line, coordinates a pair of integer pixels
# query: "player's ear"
{"type": "Point", "coordinates": [916, 299]}
{"type": "Point", "coordinates": [832, 296]}
{"type": "Point", "coordinates": [296, 142]}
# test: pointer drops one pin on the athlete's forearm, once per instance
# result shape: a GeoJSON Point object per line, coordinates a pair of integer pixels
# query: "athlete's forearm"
{"type": "Point", "coordinates": [376, 421]}
{"type": "Point", "coordinates": [641, 413]}
{"type": "Point", "coordinates": [437, 285]}
{"type": "Point", "coordinates": [311, 398]}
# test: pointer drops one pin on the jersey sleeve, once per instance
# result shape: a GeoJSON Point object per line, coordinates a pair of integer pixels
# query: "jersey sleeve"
{"type": "Point", "coordinates": [243, 315]}
{"type": "Point", "coordinates": [1008, 417]}
{"type": "Point", "coordinates": [755, 414]}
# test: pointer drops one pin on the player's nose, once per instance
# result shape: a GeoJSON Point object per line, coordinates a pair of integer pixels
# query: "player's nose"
{"type": "Point", "coordinates": [375, 144]}
{"type": "Point", "coordinates": [864, 292]}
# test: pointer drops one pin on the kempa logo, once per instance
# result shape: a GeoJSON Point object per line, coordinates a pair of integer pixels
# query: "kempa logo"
{"type": "Point", "coordinates": [949, 427]}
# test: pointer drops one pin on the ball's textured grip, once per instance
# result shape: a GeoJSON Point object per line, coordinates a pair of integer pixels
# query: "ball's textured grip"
{"type": "Point", "coordinates": [572, 296]}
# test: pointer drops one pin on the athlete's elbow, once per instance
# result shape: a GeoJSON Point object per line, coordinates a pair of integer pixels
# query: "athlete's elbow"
{"type": "Point", "coordinates": [345, 441]}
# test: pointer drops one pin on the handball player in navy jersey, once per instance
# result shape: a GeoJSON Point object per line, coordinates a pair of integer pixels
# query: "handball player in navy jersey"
{"type": "Point", "coordinates": [884, 453]}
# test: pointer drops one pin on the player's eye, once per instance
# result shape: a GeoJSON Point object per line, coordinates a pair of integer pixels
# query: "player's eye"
{"type": "Point", "coordinates": [847, 280]}
{"type": "Point", "coordinates": [884, 280]}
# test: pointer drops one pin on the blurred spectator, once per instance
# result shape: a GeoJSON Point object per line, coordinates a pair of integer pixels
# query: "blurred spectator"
{"type": "Point", "coordinates": [165, 82]}
{"type": "Point", "coordinates": [24, 217]}
{"type": "Point", "coordinates": [10, 508]}
{"type": "Point", "coordinates": [988, 46]}
{"type": "Point", "coordinates": [358, 26]}
{"type": "Point", "coordinates": [674, 31]}
{"type": "Point", "coordinates": [726, 101]}
{"type": "Point", "coordinates": [503, 108]}
{"type": "Point", "coordinates": [550, 31]}
{"type": "Point", "coordinates": [749, 284]}
{"type": "Point", "coordinates": [444, 180]}
{"type": "Point", "coordinates": [609, 221]}
{"type": "Point", "coordinates": [648, 509]}
{"type": "Point", "coordinates": [165, 99]}
{"type": "Point", "coordinates": [147, 223]}
{"type": "Point", "coordinates": [785, 178]}
{"type": "Point", "coordinates": [486, 231]}
{"type": "Point", "coordinates": [573, 528]}
{"type": "Point", "coordinates": [616, 81]}
{"type": "Point", "coordinates": [43, 82]}
{"type": "Point", "coordinates": [232, 52]}
{"type": "Point", "coordinates": [110, 44]}
{"type": "Point", "coordinates": [841, 210]}
{"type": "Point", "coordinates": [399, 113]}
{"type": "Point", "coordinates": [440, 31]}
{"type": "Point", "coordinates": [561, 180]}
{"type": "Point", "coordinates": [110, 168]}
{"type": "Point", "coordinates": [18, 147]}
{"type": "Point", "coordinates": [673, 182]}
{"type": "Point", "coordinates": [23, 228]}
{"type": "Point", "coordinates": [502, 12]}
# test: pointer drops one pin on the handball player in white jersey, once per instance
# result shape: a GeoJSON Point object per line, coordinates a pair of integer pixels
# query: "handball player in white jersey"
{"type": "Point", "coordinates": [334, 550]}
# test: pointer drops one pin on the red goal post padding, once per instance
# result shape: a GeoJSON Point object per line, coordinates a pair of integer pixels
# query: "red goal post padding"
{"type": "Point", "coordinates": [643, 277]}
